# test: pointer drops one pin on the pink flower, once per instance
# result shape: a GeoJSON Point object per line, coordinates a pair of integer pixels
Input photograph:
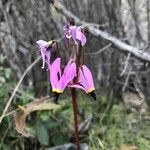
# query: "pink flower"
{"type": "Point", "coordinates": [85, 81]}
{"type": "Point", "coordinates": [45, 51]}
{"type": "Point", "coordinates": [58, 79]}
{"type": "Point", "coordinates": [75, 33]}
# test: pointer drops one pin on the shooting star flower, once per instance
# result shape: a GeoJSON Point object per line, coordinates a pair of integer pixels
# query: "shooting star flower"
{"type": "Point", "coordinates": [58, 79]}
{"type": "Point", "coordinates": [45, 51]}
{"type": "Point", "coordinates": [85, 81]}
{"type": "Point", "coordinates": [75, 33]}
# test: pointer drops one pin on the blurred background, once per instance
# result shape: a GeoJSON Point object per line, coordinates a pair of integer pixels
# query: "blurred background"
{"type": "Point", "coordinates": [119, 119]}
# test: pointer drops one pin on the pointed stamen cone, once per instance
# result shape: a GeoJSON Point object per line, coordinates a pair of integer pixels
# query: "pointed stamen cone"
{"type": "Point", "coordinates": [93, 95]}
{"type": "Point", "coordinates": [56, 96]}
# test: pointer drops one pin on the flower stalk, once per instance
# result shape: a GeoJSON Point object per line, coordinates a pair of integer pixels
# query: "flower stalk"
{"type": "Point", "coordinates": [78, 50]}
{"type": "Point", "coordinates": [74, 104]}
{"type": "Point", "coordinates": [73, 75]}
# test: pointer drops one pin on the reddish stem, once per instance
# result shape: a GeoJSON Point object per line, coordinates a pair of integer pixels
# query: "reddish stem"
{"type": "Point", "coordinates": [74, 104]}
{"type": "Point", "coordinates": [74, 96]}
{"type": "Point", "coordinates": [68, 48]}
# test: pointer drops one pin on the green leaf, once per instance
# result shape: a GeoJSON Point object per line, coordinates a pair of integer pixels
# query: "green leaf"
{"type": "Point", "coordinates": [52, 124]}
{"type": "Point", "coordinates": [44, 116]}
{"type": "Point", "coordinates": [7, 72]}
{"type": "Point", "coordinates": [2, 80]}
{"type": "Point", "coordinates": [59, 139]}
{"type": "Point", "coordinates": [42, 134]}
{"type": "Point", "coordinates": [3, 90]}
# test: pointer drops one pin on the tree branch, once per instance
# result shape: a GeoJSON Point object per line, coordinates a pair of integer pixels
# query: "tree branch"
{"type": "Point", "coordinates": [99, 33]}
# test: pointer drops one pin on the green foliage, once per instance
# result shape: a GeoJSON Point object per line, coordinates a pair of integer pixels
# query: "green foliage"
{"type": "Point", "coordinates": [42, 133]}
{"type": "Point", "coordinates": [27, 96]}
{"type": "Point", "coordinates": [5, 74]}
{"type": "Point", "coordinates": [121, 128]}
{"type": "Point", "coordinates": [110, 128]}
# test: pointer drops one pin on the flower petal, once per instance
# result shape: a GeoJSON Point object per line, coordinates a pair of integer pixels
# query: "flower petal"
{"type": "Point", "coordinates": [54, 71]}
{"type": "Point", "coordinates": [80, 36]}
{"type": "Point", "coordinates": [86, 80]}
{"type": "Point", "coordinates": [88, 76]}
{"type": "Point", "coordinates": [68, 65]}
{"type": "Point", "coordinates": [73, 30]}
{"type": "Point", "coordinates": [45, 51]}
{"type": "Point", "coordinates": [48, 55]}
{"type": "Point", "coordinates": [82, 79]}
{"type": "Point", "coordinates": [67, 76]}
{"type": "Point", "coordinates": [78, 86]}
{"type": "Point", "coordinates": [43, 59]}
{"type": "Point", "coordinates": [43, 45]}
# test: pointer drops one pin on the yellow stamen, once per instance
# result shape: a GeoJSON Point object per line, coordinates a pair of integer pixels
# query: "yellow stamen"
{"type": "Point", "coordinates": [90, 90]}
{"type": "Point", "coordinates": [50, 42]}
{"type": "Point", "coordinates": [57, 91]}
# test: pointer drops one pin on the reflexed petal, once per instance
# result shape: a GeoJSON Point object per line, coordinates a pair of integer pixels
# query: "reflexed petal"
{"type": "Point", "coordinates": [68, 65]}
{"type": "Point", "coordinates": [68, 76]}
{"type": "Point", "coordinates": [77, 35]}
{"type": "Point", "coordinates": [48, 55]}
{"type": "Point", "coordinates": [43, 59]}
{"type": "Point", "coordinates": [54, 70]}
{"type": "Point", "coordinates": [45, 51]}
{"type": "Point", "coordinates": [82, 79]}
{"type": "Point", "coordinates": [85, 80]}
{"type": "Point", "coordinates": [88, 75]}
{"type": "Point", "coordinates": [73, 30]}
{"type": "Point", "coordinates": [81, 37]}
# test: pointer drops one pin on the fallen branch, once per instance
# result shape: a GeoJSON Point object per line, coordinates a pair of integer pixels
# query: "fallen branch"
{"type": "Point", "coordinates": [99, 33]}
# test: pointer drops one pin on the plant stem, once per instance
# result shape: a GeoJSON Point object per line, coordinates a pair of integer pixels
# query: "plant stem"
{"type": "Point", "coordinates": [74, 104]}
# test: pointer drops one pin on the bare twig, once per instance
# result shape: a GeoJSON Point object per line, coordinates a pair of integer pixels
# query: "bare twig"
{"type": "Point", "coordinates": [17, 86]}
{"type": "Point", "coordinates": [126, 65]}
{"type": "Point", "coordinates": [127, 79]}
{"type": "Point", "coordinates": [101, 50]}
{"type": "Point", "coordinates": [138, 89]}
{"type": "Point", "coordinates": [11, 112]}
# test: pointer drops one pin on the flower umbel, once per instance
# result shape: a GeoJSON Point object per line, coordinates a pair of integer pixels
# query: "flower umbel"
{"type": "Point", "coordinates": [45, 51]}
{"type": "Point", "coordinates": [75, 33]}
{"type": "Point", "coordinates": [58, 79]}
{"type": "Point", "coordinates": [85, 81]}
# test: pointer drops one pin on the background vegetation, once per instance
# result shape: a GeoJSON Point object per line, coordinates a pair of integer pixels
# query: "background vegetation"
{"type": "Point", "coordinates": [119, 119]}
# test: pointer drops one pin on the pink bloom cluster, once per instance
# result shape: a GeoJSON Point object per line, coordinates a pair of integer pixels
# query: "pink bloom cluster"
{"type": "Point", "coordinates": [75, 33]}
{"type": "Point", "coordinates": [60, 79]}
